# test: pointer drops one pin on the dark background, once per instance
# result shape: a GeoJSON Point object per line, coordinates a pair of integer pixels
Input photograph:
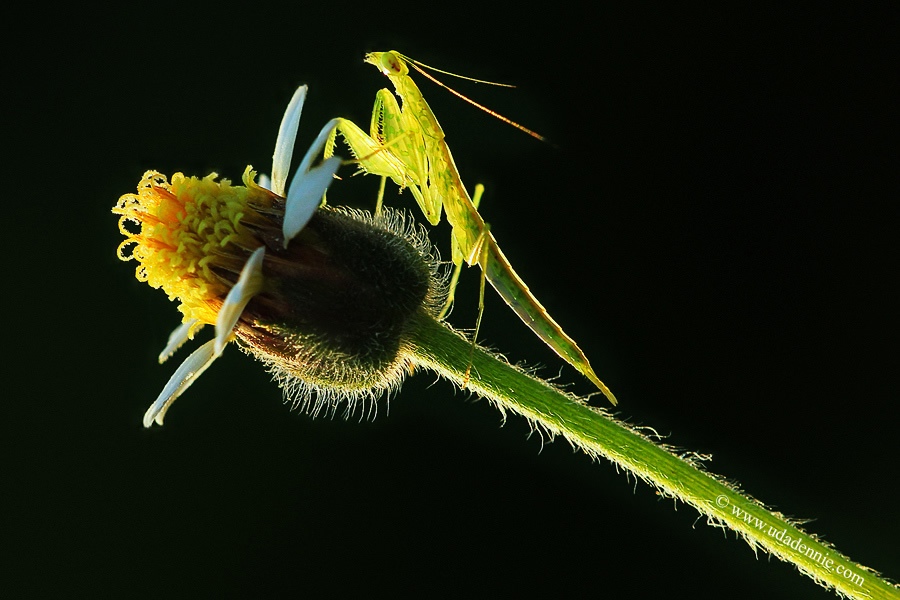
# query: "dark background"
{"type": "Point", "coordinates": [715, 224]}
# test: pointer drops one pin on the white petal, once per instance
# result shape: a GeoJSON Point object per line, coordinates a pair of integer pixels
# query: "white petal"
{"type": "Point", "coordinates": [183, 377]}
{"type": "Point", "coordinates": [316, 148]}
{"type": "Point", "coordinates": [309, 185]}
{"type": "Point", "coordinates": [249, 284]}
{"type": "Point", "coordinates": [178, 337]}
{"type": "Point", "coordinates": [265, 182]}
{"type": "Point", "coordinates": [284, 145]}
{"type": "Point", "coordinates": [305, 196]}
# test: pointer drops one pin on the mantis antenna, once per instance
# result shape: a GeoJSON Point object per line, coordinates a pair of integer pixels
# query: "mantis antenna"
{"type": "Point", "coordinates": [419, 67]}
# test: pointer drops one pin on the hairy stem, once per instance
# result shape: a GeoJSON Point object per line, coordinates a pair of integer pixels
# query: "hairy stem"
{"type": "Point", "coordinates": [677, 475]}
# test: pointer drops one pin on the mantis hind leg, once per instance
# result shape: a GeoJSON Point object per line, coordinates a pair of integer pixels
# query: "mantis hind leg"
{"type": "Point", "coordinates": [482, 260]}
{"type": "Point", "coordinates": [481, 250]}
{"type": "Point", "coordinates": [458, 262]}
{"type": "Point", "coordinates": [380, 201]}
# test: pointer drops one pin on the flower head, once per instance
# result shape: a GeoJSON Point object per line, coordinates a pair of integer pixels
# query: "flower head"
{"type": "Point", "coordinates": [323, 297]}
{"type": "Point", "coordinates": [195, 236]}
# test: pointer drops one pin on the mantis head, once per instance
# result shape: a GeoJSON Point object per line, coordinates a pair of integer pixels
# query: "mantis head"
{"type": "Point", "coordinates": [390, 63]}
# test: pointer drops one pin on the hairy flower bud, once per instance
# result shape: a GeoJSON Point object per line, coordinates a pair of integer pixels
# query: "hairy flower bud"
{"type": "Point", "coordinates": [337, 304]}
{"type": "Point", "coordinates": [329, 313]}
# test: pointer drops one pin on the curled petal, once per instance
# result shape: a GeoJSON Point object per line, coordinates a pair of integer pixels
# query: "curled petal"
{"type": "Point", "coordinates": [309, 185]}
{"type": "Point", "coordinates": [316, 148]}
{"type": "Point", "coordinates": [305, 196]}
{"type": "Point", "coordinates": [178, 337]}
{"type": "Point", "coordinates": [249, 284]}
{"type": "Point", "coordinates": [284, 145]}
{"type": "Point", "coordinates": [183, 377]}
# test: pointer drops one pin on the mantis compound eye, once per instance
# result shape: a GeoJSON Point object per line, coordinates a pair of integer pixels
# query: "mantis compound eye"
{"type": "Point", "coordinates": [390, 63]}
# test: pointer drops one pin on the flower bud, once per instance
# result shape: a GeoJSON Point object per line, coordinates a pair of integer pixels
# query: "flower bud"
{"type": "Point", "coordinates": [338, 303]}
{"type": "Point", "coordinates": [334, 309]}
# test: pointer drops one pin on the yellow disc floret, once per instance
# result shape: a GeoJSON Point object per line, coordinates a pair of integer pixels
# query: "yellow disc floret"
{"type": "Point", "coordinates": [193, 240]}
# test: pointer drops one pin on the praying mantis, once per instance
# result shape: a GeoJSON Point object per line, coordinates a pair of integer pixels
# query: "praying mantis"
{"type": "Point", "coordinates": [406, 144]}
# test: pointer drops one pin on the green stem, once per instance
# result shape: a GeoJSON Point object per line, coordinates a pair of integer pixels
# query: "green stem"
{"type": "Point", "coordinates": [437, 347]}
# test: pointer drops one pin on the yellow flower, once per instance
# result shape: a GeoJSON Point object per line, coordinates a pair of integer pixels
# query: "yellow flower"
{"type": "Point", "coordinates": [203, 242]}
{"type": "Point", "coordinates": [193, 233]}
{"type": "Point", "coordinates": [325, 298]}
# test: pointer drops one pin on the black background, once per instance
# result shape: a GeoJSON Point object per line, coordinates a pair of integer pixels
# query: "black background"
{"type": "Point", "coordinates": [715, 224]}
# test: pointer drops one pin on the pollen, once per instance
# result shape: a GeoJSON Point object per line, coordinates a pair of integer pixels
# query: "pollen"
{"type": "Point", "coordinates": [192, 236]}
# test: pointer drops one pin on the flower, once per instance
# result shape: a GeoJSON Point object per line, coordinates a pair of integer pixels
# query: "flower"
{"type": "Point", "coordinates": [327, 299]}
{"type": "Point", "coordinates": [204, 241]}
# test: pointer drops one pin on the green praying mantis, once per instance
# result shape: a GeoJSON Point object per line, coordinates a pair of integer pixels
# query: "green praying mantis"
{"type": "Point", "coordinates": [406, 144]}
